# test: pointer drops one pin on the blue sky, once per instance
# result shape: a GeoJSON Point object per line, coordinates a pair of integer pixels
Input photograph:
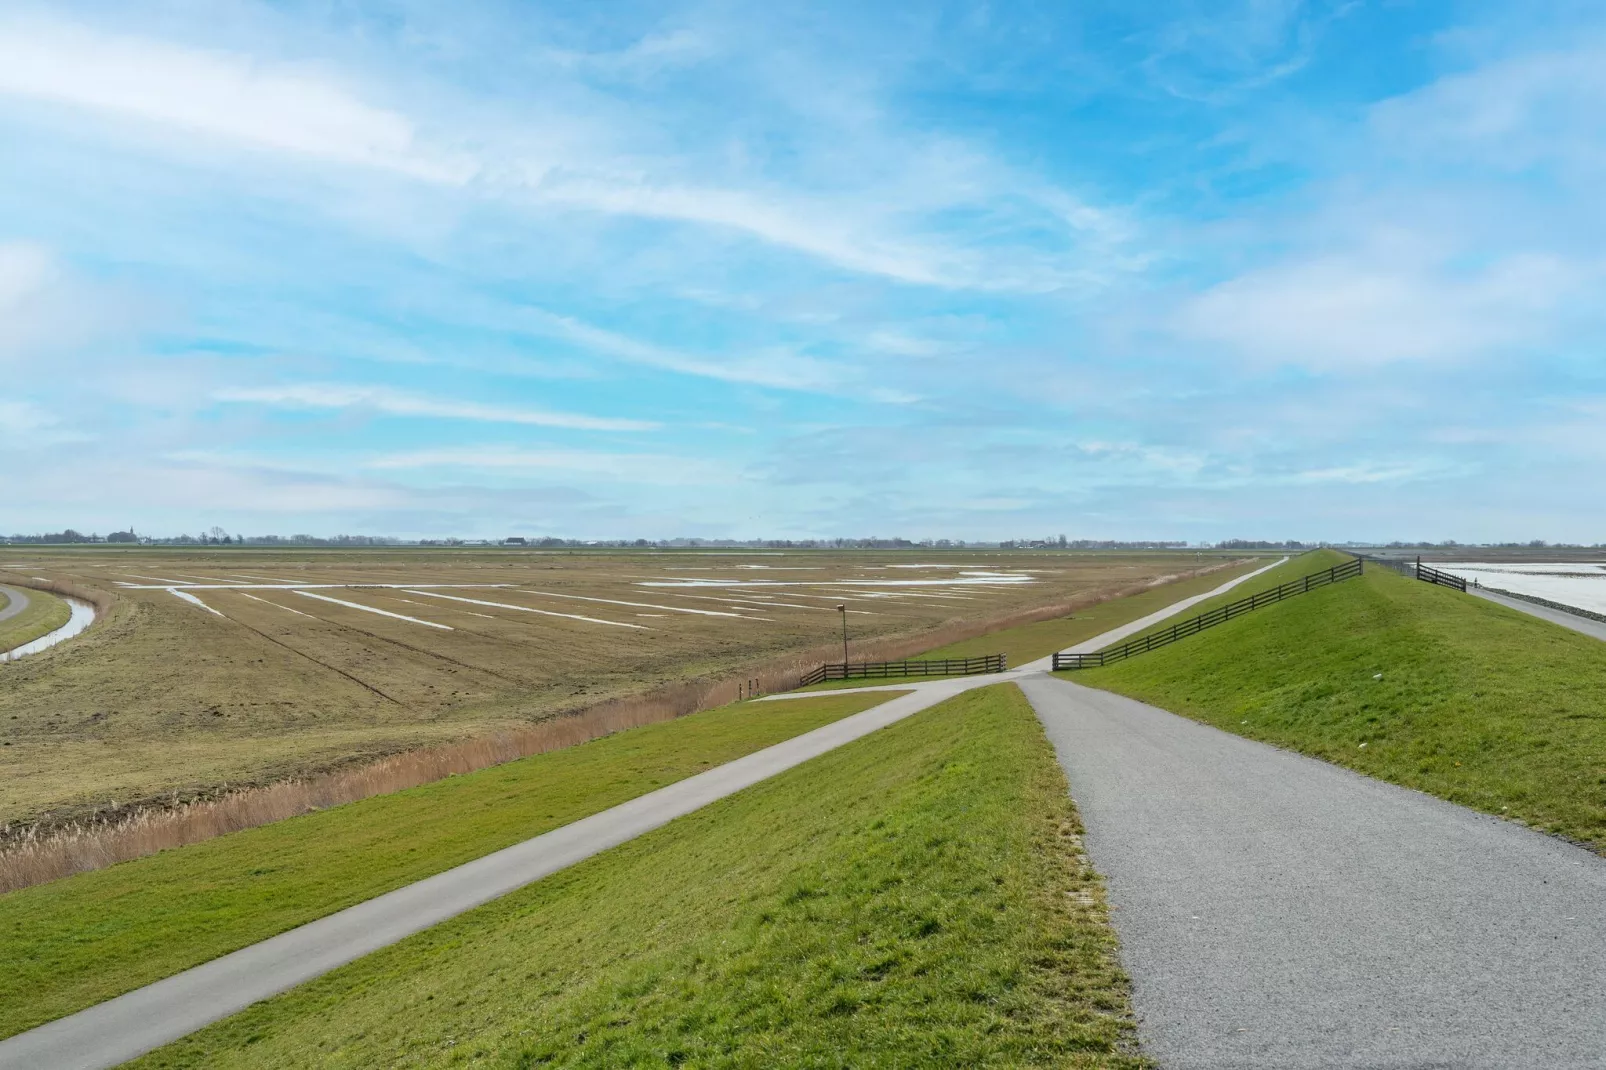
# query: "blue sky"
{"type": "Point", "coordinates": [1192, 270]}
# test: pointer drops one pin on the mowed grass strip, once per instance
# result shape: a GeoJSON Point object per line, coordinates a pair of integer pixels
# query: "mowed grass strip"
{"type": "Point", "coordinates": [1028, 642]}
{"type": "Point", "coordinates": [915, 898]}
{"type": "Point", "coordinates": [1296, 567]}
{"type": "Point", "coordinates": [43, 615]}
{"type": "Point", "coordinates": [78, 941]}
{"type": "Point", "coordinates": [1477, 703]}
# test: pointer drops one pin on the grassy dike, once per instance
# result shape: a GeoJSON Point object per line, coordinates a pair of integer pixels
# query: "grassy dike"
{"type": "Point", "coordinates": [1420, 685]}
{"type": "Point", "coordinates": [1296, 567]}
{"type": "Point", "coordinates": [44, 614]}
{"type": "Point", "coordinates": [916, 898]}
{"type": "Point", "coordinates": [1028, 642]}
{"type": "Point", "coordinates": [75, 942]}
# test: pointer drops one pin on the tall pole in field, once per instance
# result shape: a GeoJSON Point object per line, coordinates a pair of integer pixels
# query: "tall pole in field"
{"type": "Point", "coordinates": [843, 609]}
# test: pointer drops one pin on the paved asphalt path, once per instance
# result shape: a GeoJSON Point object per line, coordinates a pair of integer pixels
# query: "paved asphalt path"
{"type": "Point", "coordinates": [16, 602]}
{"type": "Point", "coordinates": [1571, 621]}
{"type": "Point", "coordinates": [1277, 911]}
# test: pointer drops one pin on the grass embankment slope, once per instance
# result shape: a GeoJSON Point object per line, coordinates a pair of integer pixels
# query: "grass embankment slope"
{"type": "Point", "coordinates": [1028, 642]}
{"type": "Point", "coordinates": [43, 615]}
{"type": "Point", "coordinates": [78, 941]}
{"type": "Point", "coordinates": [915, 898]}
{"type": "Point", "coordinates": [1296, 567]}
{"type": "Point", "coordinates": [1477, 703]}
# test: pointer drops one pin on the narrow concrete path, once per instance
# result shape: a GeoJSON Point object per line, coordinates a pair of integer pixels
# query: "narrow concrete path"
{"type": "Point", "coordinates": [120, 1029]}
{"type": "Point", "coordinates": [1142, 624]}
{"type": "Point", "coordinates": [16, 602]}
{"type": "Point", "coordinates": [1571, 621]}
{"type": "Point", "coordinates": [1276, 911]}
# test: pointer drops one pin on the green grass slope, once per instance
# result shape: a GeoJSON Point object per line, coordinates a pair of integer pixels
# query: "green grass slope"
{"type": "Point", "coordinates": [1475, 703]}
{"type": "Point", "coordinates": [916, 898]}
{"type": "Point", "coordinates": [1028, 642]}
{"type": "Point", "coordinates": [45, 613]}
{"type": "Point", "coordinates": [78, 941]}
{"type": "Point", "coordinates": [1293, 569]}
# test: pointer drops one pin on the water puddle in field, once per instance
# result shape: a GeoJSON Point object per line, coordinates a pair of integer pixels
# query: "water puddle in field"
{"type": "Point", "coordinates": [964, 579]}
{"type": "Point", "coordinates": [83, 615]}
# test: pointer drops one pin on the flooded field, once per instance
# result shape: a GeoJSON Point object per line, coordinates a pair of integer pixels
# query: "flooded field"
{"type": "Point", "coordinates": [243, 666]}
{"type": "Point", "coordinates": [1581, 584]}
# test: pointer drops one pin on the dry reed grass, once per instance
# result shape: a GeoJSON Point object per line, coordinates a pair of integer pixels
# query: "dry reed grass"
{"type": "Point", "coordinates": [36, 856]}
{"type": "Point", "coordinates": [103, 601]}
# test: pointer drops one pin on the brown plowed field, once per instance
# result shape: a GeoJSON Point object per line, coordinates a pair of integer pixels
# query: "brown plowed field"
{"type": "Point", "coordinates": [286, 667]}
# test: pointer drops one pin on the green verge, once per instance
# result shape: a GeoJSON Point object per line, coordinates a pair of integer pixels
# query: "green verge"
{"type": "Point", "coordinates": [1028, 642]}
{"type": "Point", "coordinates": [1477, 703]}
{"type": "Point", "coordinates": [916, 898]}
{"type": "Point", "coordinates": [45, 613]}
{"type": "Point", "coordinates": [1293, 569]}
{"type": "Point", "coordinates": [75, 942]}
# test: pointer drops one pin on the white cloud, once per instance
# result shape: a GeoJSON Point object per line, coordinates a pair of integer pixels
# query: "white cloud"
{"type": "Point", "coordinates": [28, 275]}
{"type": "Point", "coordinates": [220, 94]}
{"type": "Point", "coordinates": [652, 54]}
{"type": "Point", "coordinates": [874, 217]}
{"type": "Point", "coordinates": [1537, 108]}
{"type": "Point", "coordinates": [646, 468]}
{"type": "Point", "coordinates": [23, 418]}
{"type": "Point", "coordinates": [44, 308]}
{"type": "Point", "coordinates": [818, 230]}
{"type": "Point", "coordinates": [397, 403]}
{"type": "Point", "coordinates": [1365, 310]}
{"type": "Point", "coordinates": [1372, 472]}
{"type": "Point", "coordinates": [775, 368]}
{"type": "Point", "coordinates": [25, 269]}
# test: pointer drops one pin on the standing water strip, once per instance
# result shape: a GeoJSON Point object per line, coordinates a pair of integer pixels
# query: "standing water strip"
{"type": "Point", "coordinates": [83, 615]}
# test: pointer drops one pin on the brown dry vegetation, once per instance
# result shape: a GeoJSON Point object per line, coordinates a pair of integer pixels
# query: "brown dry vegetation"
{"type": "Point", "coordinates": [163, 704]}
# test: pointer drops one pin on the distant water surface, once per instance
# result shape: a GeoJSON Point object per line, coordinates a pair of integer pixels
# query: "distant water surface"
{"type": "Point", "coordinates": [1581, 584]}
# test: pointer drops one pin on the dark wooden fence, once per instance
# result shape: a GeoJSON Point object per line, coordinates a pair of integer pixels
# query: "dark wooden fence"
{"type": "Point", "coordinates": [1443, 579]}
{"type": "Point", "coordinates": [1416, 570]}
{"type": "Point", "coordinates": [1219, 615]}
{"type": "Point", "coordinates": [880, 670]}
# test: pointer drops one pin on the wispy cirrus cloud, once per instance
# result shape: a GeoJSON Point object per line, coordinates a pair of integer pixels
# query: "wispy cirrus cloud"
{"type": "Point", "coordinates": [390, 402]}
{"type": "Point", "coordinates": [890, 223]}
{"type": "Point", "coordinates": [1361, 311]}
{"type": "Point", "coordinates": [217, 93]}
{"type": "Point", "coordinates": [777, 368]}
{"type": "Point", "coordinates": [643, 468]}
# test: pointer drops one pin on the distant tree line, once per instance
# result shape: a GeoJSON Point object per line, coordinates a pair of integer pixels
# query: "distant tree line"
{"type": "Point", "coordinates": [216, 536]}
{"type": "Point", "coordinates": [1257, 544]}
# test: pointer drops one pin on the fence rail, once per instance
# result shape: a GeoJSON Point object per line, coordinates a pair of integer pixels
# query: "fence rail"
{"type": "Point", "coordinates": [1219, 615]}
{"type": "Point", "coordinates": [1443, 579]}
{"type": "Point", "coordinates": [880, 670]}
{"type": "Point", "coordinates": [1416, 570]}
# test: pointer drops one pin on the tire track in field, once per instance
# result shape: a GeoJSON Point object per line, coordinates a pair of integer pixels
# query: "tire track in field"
{"type": "Point", "coordinates": [435, 653]}
{"type": "Point", "coordinates": [332, 668]}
